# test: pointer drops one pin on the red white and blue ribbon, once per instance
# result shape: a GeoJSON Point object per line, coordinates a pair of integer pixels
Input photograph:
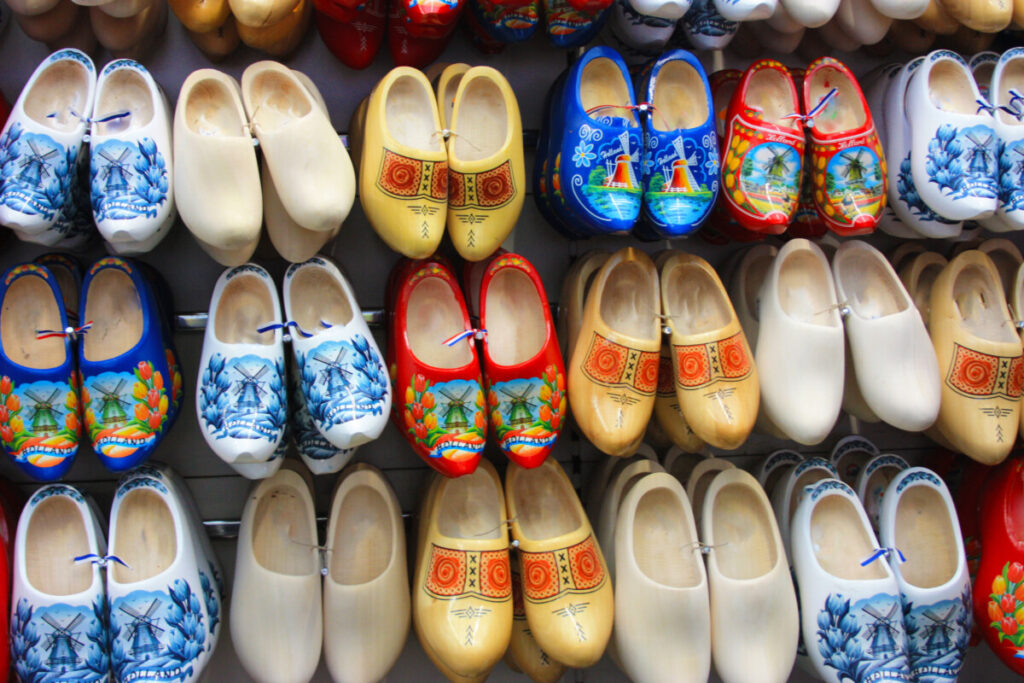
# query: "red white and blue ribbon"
{"type": "Point", "coordinates": [808, 118]}
{"type": "Point", "coordinates": [465, 334]}
{"type": "Point", "coordinates": [72, 332]}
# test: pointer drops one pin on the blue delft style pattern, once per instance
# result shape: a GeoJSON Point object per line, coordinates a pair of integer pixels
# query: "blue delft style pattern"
{"type": "Point", "coordinates": [962, 161]}
{"type": "Point", "coordinates": [937, 637]}
{"type": "Point", "coordinates": [342, 381]}
{"type": "Point", "coordinates": [128, 180]}
{"type": "Point", "coordinates": [1011, 175]}
{"type": "Point", "coordinates": [36, 173]}
{"type": "Point", "coordinates": [863, 641]}
{"type": "Point", "coordinates": [60, 643]}
{"type": "Point", "coordinates": [243, 398]}
{"type": "Point", "coordinates": [309, 442]}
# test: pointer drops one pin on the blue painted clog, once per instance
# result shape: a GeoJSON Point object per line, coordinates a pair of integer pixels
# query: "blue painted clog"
{"type": "Point", "coordinates": [544, 163]}
{"type": "Point", "coordinates": [131, 382]}
{"type": "Point", "coordinates": [680, 153]}
{"type": "Point", "coordinates": [39, 415]}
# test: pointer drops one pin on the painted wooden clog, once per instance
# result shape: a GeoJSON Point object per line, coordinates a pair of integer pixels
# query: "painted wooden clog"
{"type": "Point", "coordinates": [258, 13]}
{"type": "Point", "coordinates": [318, 454]}
{"type": "Point", "coordinates": [1005, 84]}
{"type": "Point", "coordinates": [789, 487]}
{"type": "Point", "coordinates": [40, 419]}
{"type": "Point", "coordinates": [543, 185]}
{"type": "Point", "coordinates": [446, 85]}
{"type": "Point", "coordinates": [763, 149]}
{"type": "Point", "coordinates": [68, 273]}
{"type": "Point", "coordinates": [646, 26]}
{"type": "Point", "coordinates": [566, 589]}
{"type": "Point", "coordinates": [216, 177]}
{"type": "Point", "coordinates": [357, 40]}
{"type": "Point", "coordinates": [613, 372]}
{"type": "Point", "coordinates": [39, 145]}
{"type": "Point", "coordinates": [850, 455]}
{"type": "Point", "coordinates": [937, 20]}
{"type": "Point", "coordinates": [849, 597]}
{"type": "Point", "coordinates": [462, 588]}
{"type": "Point", "coordinates": [667, 413]}
{"type": "Point", "coordinates": [705, 28]}
{"type": "Point", "coordinates": [407, 49]}
{"type": "Point", "coordinates": [846, 157]}
{"type": "Point", "coordinates": [524, 654]}
{"type": "Point", "coordinates": [680, 463]}
{"type": "Point", "coordinates": [574, 295]}
{"type": "Point", "coordinates": [505, 22]}
{"type": "Point", "coordinates": [918, 276]}
{"type": "Point", "coordinates": [775, 466]}
{"type": "Point", "coordinates": [917, 517]}
{"type": "Point", "coordinates": [747, 567]}
{"type": "Point", "coordinates": [52, 24]}
{"type": "Point", "coordinates": [570, 26]}
{"type": "Point", "coordinates": [979, 358]}
{"type": "Point", "coordinates": [443, 410]}
{"type": "Point", "coordinates": [521, 361]}
{"type": "Point", "coordinates": [956, 170]}
{"type": "Point", "coordinates": [873, 480]}
{"type": "Point", "coordinates": [986, 16]}
{"type": "Point", "coordinates": [901, 9]}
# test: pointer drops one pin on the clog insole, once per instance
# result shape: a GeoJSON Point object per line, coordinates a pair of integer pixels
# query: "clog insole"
{"type": "Point", "coordinates": [545, 506]}
{"type": "Point", "coordinates": [743, 539]}
{"type": "Point", "coordinates": [982, 307]}
{"type": "Point", "coordinates": [212, 109]}
{"type": "Point", "coordinates": [317, 296]}
{"type": "Point", "coordinates": [870, 290]}
{"type": "Point", "coordinates": [283, 541]}
{"type": "Point", "coordinates": [1012, 79]}
{"type": "Point", "coordinates": [113, 305]}
{"type": "Point", "coordinates": [840, 541]}
{"type": "Point", "coordinates": [924, 534]}
{"type": "Point", "coordinates": [629, 302]}
{"type": "Point", "coordinates": [774, 95]}
{"type": "Point", "coordinates": [951, 89]}
{"type": "Point", "coordinates": [807, 477]}
{"type": "Point", "coordinates": [680, 97]}
{"type": "Point", "coordinates": [604, 90]}
{"type": "Point", "coordinates": [124, 91]}
{"type": "Point", "coordinates": [845, 111]}
{"type": "Point", "coordinates": [804, 290]}
{"type": "Point", "coordinates": [410, 114]}
{"type": "Point", "coordinates": [361, 547]}
{"type": "Point", "coordinates": [30, 306]}
{"type": "Point", "coordinates": [694, 302]}
{"type": "Point", "coordinates": [480, 121]}
{"type": "Point", "coordinates": [245, 306]}
{"type": "Point", "coordinates": [144, 537]}
{"type": "Point", "coordinates": [662, 542]}
{"type": "Point", "coordinates": [470, 507]}
{"type": "Point", "coordinates": [277, 100]}
{"type": "Point", "coordinates": [516, 329]}
{"type": "Point", "coordinates": [433, 315]}
{"type": "Point", "coordinates": [60, 90]}
{"type": "Point", "coordinates": [55, 535]}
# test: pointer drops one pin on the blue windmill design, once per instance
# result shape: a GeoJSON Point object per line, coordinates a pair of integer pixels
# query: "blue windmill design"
{"type": "Point", "coordinates": [937, 633]}
{"type": "Point", "coordinates": [116, 173]}
{"type": "Point", "coordinates": [882, 632]}
{"type": "Point", "coordinates": [249, 388]}
{"type": "Point", "coordinates": [143, 629]}
{"type": "Point", "coordinates": [1018, 165]}
{"type": "Point", "coordinates": [334, 374]}
{"type": "Point", "coordinates": [980, 154]}
{"type": "Point", "coordinates": [35, 166]}
{"type": "Point", "coordinates": [62, 644]}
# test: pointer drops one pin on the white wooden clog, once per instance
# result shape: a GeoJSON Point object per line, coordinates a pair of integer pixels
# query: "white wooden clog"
{"type": "Point", "coordinates": [874, 479]}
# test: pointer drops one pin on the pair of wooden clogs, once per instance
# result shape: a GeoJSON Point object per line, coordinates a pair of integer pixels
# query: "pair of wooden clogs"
{"type": "Point", "coordinates": [127, 28]}
{"type": "Point", "coordinates": [275, 27]}
{"type": "Point", "coordinates": [452, 159]}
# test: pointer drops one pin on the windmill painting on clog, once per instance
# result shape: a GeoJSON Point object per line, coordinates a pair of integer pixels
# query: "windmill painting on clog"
{"type": "Point", "coordinates": [680, 152]}
{"type": "Point", "coordinates": [1007, 96]}
{"type": "Point", "coordinates": [763, 149]}
{"type": "Point", "coordinates": [319, 454]}
{"type": "Point", "coordinates": [847, 162]}
{"type": "Point", "coordinates": [39, 402]}
{"type": "Point", "coordinates": [131, 384]}
{"type": "Point", "coordinates": [39, 146]}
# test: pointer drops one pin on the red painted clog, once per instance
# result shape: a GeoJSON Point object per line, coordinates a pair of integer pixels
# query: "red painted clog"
{"type": "Point", "coordinates": [432, 18]}
{"type": "Point", "coordinates": [408, 49]}
{"type": "Point", "coordinates": [806, 223]}
{"type": "Point", "coordinates": [354, 40]}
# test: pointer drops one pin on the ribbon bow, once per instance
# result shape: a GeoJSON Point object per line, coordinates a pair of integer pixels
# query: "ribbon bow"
{"type": "Point", "coordinates": [984, 106]}
{"type": "Point", "coordinates": [86, 119]}
{"type": "Point", "coordinates": [102, 560]}
{"type": "Point", "coordinates": [1013, 106]}
{"type": "Point", "coordinates": [475, 333]}
{"type": "Point", "coordinates": [883, 552]}
{"type": "Point", "coordinates": [69, 331]}
{"type": "Point", "coordinates": [808, 118]}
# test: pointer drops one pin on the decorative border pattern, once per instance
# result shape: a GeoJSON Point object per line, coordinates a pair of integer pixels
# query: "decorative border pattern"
{"type": "Point", "coordinates": [701, 364]}
{"type": "Point", "coordinates": [614, 365]}
{"type": "Point", "coordinates": [831, 485]}
{"type": "Point", "coordinates": [974, 374]}
{"type": "Point", "coordinates": [404, 177]}
{"type": "Point", "coordinates": [456, 573]}
{"type": "Point", "coordinates": [489, 189]}
{"type": "Point", "coordinates": [919, 475]}
{"type": "Point", "coordinates": [576, 569]}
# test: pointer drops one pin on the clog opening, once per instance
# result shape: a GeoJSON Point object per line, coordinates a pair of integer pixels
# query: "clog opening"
{"type": "Point", "coordinates": [317, 297]}
{"type": "Point", "coordinates": [114, 306]}
{"type": "Point", "coordinates": [277, 99]}
{"type": "Point", "coordinates": [516, 329]}
{"type": "Point", "coordinates": [604, 91]}
{"type": "Point", "coordinates": [283, 541]}
{"type": "Point", "coordinates": [981, 305]}
{"type": "Point", "coordinates": [410, 115]}
{"type": "Point", "coordinates": [846, 110]}
{"type": "Point", "coordinates": [629, 302]}
{"type": "Point", "coordinates": [924, 534]}
{"type": "Point", "coordinates": [481, 125]}
{"type": "Point", "coordinates": [951, 88]}
{"type": "Point", "coordinates": [1012, 79]}
{"type": "Point", "coordinates": [744, 545]}
{"type": "Point", "coordinates": [840, 541]}
{"type": "Point", "coordinates": [545, 506]}
{"type": "Point", "coordinates": [870, 288]}
{"type": "Point", "coordinates": [363, 535]}
{"type": "Point", "coordinates": [1007, 260]}
{"type": "Point", "coordinates": [245, 306]}
{"type": "Point", "coordinates": [694, 300]}
{"type": "Point", "coordinates": [433, 315]}
{"type": "Point", "coordinates": [722, 96]}
{"type": "Point", "coordinates": [470, 507]}
{"type": "Point", "coordinates": [28, 306]}
{"type": "Point", "coordinates": [756, 270]}
{"type": "Point", "coordinates": [808, 477]}
{"type": "Point", "coordinates": [61, 90]}
{"type": "Point", "coordinates": [55, 535]}
{"type": "Point", "coordinates": [144, 537]}
{"type": "Point", "coordinates": [922, 291]}
{"type": "Point", "coordinates": [680, 99]}
{"type": "Point", "coordinates": [125, 90]}
{"type": "Point", "coordinates": [805, 289]}
{"type": "Point", "coordinates": [451, 86]}
{"type": "Point", "coordinates": [772, 93]}
{"type": "Point", "coordinates": [701, 484]}
{"type": "Point", "coordinates": [874, 489]}
{"type": "Point", "coordinates": [211, 109]}
{"type": "Point", "coordinates": [662, 542]}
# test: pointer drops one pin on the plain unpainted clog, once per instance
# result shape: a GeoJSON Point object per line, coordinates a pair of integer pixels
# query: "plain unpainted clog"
{"type": "Point", "coordinates": [1007, 259]}
{"type": "Point", "coordinates": [901, 9]}
{"type": "Point", "coordinates": [809, 13]}
{"type": "Point", "coordinates": [607, 518]}
{"type": "Point", "coordinates": [937, 20]}
{"type": "Point", "coordinates": [218, 43]}
{"type": "Point", "coordinates": [986, 16]}
{"type": "Point", "coordinates": [199, 16]}
{"type": "Point", "coordinates": [863, 21]}
{"type": "Point", "coordinates": [909, 37]}
{"type": "Point", "coordinates": [282, 38]}
{"type": "Point", "coordinates": [745, 10]}
{"type": "Point", "coordinates": [680, 463]}
{"type": "Point", "coordinates": [118, 33]}
{"type": "Point", "coordinates": [51, 24]}
{"type": "Point", "coordinates": [700, 478]}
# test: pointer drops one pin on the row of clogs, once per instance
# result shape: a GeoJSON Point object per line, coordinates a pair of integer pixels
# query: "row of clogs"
{"type": "Point", "coordinates": [454, 158]}
{"type": "Point", "coordinates": [341, 396]}
{"type": "Point", "coordinates": [128, 29]}
{"type": "Point", "coordinates": [113, 381]}
{"type": "Point", "coordinates": [450, 391]}
{"type": "Point", "coordinates": [147, 606]}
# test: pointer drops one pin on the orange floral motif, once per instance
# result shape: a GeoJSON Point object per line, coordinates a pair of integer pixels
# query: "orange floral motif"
{"type": "Point", "coordinates": [456, 573]}
{"type": "Point", "coordinates": [981, 375]}
{"type": "Point", "coordinates": [723, 359]}
{"type": "Point", "coordinates": [576, 569]}
{"type": "Point", "coordinates": [613, 364]}
{"type": "Point", "coordinates": [407, 178]}
{"type": "Point", "coordinates": [486, 190]}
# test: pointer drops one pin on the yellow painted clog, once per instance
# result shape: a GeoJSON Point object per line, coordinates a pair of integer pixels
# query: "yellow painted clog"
{"type": "Point", "coordinates": [524, 654]}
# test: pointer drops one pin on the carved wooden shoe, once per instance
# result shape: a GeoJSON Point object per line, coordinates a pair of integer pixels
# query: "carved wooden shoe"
{"type": "Point", "coordinates": [666, 407]}
{"type": "Point", "coordinates": [573, 299]}
{"type": "Point", "coordinates": [986, 16]}
{"type": "Point", "coordinates": [1007, 78]}
{"type": "Point", "coordinates": [201, 16]}
{"type": "Point", "coordinates": [524, 654]}
{"type": "Point", "coordinates": [789, 487]}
